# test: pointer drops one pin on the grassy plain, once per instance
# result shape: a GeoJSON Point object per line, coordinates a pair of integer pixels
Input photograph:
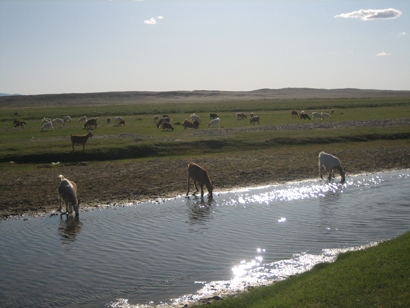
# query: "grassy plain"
{"type": "Point", "coordinates": [140, 161]}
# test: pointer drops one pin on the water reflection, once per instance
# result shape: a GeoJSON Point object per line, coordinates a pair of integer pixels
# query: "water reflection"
{"type": "Point", "coordinates": [199, 210]}
{"type": "Point", "coordinates": [69, 228]}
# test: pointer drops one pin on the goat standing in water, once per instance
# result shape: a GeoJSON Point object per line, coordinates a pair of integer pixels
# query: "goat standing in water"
{"type": "Point", "coordinates": [67, 190]}
{"type": "Point", "coordinates": [330, 162]}
{"type": "Point", "coordinates": [200, 175]}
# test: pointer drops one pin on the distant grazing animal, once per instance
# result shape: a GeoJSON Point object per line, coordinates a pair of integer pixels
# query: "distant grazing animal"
{"type": "Point", "coordinates": [163, 120]}
{"type": "Point", "coordinates": [109, 120]}
{"type": "Point", "coordinates": [303, 116]}
{"type": "Point", "coordinates": [91, 122]}
{"type": "Point", "coordinates": [83, 119]}
{"type": "Point", "coordinates": [316, 115]}
{"type": "Point", "coordinates": [195, 117]}
{"type": "Point", "coordinates": [215, 122]}
{"type": "Point", "coordinates": [333, 111]}
{"type": "Point", "coordinates": [47, 126]}
{"type": "Point", "coordinates": [59, 121]}
{"type": "Point", "coordinates": [67, 119]}
{"type": "Point", "coordinates": [45, 120]}
{"type": "Point", "coordinates": [325, 115]}
{"type": "Point", "coordinates": [19, 123]}
{"type": "Point", "coordinates": [166, 116]}
{"type": "Point", "coordinates": [156, 118]}
{"type": "Point", "coordinates": [16, 114]}
{"type": "Point", "coordinates": [196, 123]}
{"type": "Point", "coordinates": [254, 120]}
{"type": "Point", "coordinates": [118, 119]}
{"type": "Point", "coordinates": [188, 124]}
{"type": "Point", "coordinates": [240, 116]}
{"type": "Point", "coordinates": [77, 140]}
{"type": "Point", "coordinates": [330, 162]}
{"type": "Point", "coordinates": [251, 115]}
{"type": "Point", "coordinates": [213, 116]}
{"type": "Point", "coordinates": [302, 112]}
{"type": "Point", "coordinates": [167, 126]}
{"type": "Point", "coordinates": [67, 191]}
{"type": "Point", "coordinates": [294, 113]}
{"type": "Point", "coordinates": [122, 122]}
{"type": "Point", "coordinates": [199, 175]}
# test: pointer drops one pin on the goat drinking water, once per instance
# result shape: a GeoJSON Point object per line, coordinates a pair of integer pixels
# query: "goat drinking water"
{"type": "Point", "coordinates": [67, 191]}
{"type": "Point", "coordinates": [199, 175]}
{"type": "Point", "coordinates": [330, 162]}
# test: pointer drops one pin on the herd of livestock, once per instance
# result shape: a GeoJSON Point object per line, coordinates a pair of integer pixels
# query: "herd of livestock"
{"type": "Point", "coordinates": [67, 190]}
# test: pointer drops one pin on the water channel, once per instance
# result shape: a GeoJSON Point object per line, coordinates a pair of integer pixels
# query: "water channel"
{"type": "Point", "coordinates": [179, 250]}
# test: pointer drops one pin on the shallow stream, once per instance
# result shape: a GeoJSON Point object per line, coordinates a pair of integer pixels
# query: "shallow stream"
{"type": "Point", "coordinates": [180, 250]}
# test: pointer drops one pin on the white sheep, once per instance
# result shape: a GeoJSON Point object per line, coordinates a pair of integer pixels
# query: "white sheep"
{"type": "Point", "coordinates": [47, 126]}
{"type": "Point", "coordinates": [83, 119]}
{"type": "Point", "coordinates": [45, 120]}
{"type": "Point", "coordinates": [58, 121]}
{"type": "Point", "coordinates": [195, 117]}
{"type": "Point", "coordinates": [316, 115]}
{"type": "Point", "coordinates": [215, 122]}
{"type": "Point", "coordinates": [330, 162]}
{"type": "Point", "coordinates": [325, 115]}
{"type": "Point", "coordinates": [67, 119]}
{"type": "Point", "coordinates": [67, 191]}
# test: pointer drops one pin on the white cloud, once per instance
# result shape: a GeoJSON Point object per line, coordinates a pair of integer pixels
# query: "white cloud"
{"type": "Point", "coordinates": [152, 20]}
{"type": "Point", "coordinates": [383, 54]}
{"type": "Point", "coordinates": [372, 14]}
{"type": "Point", "coordinates": [401, 34]}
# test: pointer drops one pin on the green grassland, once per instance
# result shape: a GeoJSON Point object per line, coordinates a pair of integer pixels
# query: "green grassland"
{"type": "Point", "coordinates": [141, 138]}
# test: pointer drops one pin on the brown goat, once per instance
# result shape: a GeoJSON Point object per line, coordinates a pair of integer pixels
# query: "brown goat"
{"type": "Point", "coordinates": [80, 139]}
{"type": "Point", "coordinates": [188, 124]}
{"type": "Point", "coordinates": [303, 116]}
{"type": "Point", "coordinates": [163, 120]}
{"type": "Point", "coordinates": [254, 120]}
{"type": "Point", "coordinates": [200, 175]}
{"type": "Point", "coordinates": [122, 122]}
{"type": "Point", "coordinates": [294, 112]}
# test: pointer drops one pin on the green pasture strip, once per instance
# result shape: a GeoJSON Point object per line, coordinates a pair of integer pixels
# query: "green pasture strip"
{"type": "Point", "coordinates": [118, 108]}
{"type": "Point", "coordinates": [53, 150]}
{"type": "Point", "coordinates": [375, 277]}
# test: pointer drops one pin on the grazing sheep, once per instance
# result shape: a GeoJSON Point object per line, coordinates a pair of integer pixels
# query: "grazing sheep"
{"type": "Point", "coordinates": [195, 117]}
{"type": "Point", "coordinates": [330, 162]}
{"type": "Point", "coordinates": [213, 116]}
{"type": "Point", "coordinates": [59, 121]}
{"type": "Point", "coordinates": [167, 126]}
{"type": "Point", "coordinates": [67, 191]}
{"type": "Point", "coordinates": [67, 119]}
{"type": "Point", "coordinates": [91, 122]}
{"type": "Point", "coordinates": [80, 140]}
{"type": "Point", "coordinates": [188, 124]}
{"type": "Point", "coordinates": [45, 120]}
{"type": "Point", "coordinates": [316, 115]}
{"type": "Point", "coordinates": [199, 175]}
{"type": "Point", "coordinates": [47, 126]}
{"type": "Point", "coordinates": [325, 115]}
{"type": "Point", "coordinates": [83, 119]}
{"type": "Point", "coordinates": [294, 113]}
{"type": "Point", "coordinates": [303, 116]}
{"type": "Point", "coordinates": [215, 122]}
{"type": "Point", "coordinates": [254, 120]}
{"type": "Point", "coordinates": [163, 120]}
{"type": "Point", "coordinates": [240, 116]}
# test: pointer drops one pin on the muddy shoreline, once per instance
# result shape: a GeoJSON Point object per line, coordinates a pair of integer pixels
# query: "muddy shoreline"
{"type": "Point", "coordinates": [35, 192]}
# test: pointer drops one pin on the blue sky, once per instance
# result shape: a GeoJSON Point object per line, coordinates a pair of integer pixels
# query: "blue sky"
{"type": "Point", "coordinates": [53, 46]}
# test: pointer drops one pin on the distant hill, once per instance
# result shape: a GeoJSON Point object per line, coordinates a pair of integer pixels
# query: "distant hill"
{"type": "Point", "coordinates": [137, 97]}
{"type": "Point", "coordinates": [5, 94]}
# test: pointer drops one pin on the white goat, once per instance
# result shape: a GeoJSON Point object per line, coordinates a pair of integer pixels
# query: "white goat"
{"type": "Point", "coordinates": [47, 126]}
{"type": "Point", "coordinates": [45, 120]}
{"type": "Point", "coordinates": [58, 121]}
{"type": "Point", "coordinates": [83, 119]}
{"type": "Point", "coordinates": [195, 117]}
{"type": "Point", "coordinates": [316, 115]}
{"type": "Point", "coordinates": [325, 115]}
{"type": "Point", "coordinates": [330, 162]}
{"type": "Point", "coordinates": [67, 119]}
{"type": "Point", "coordinates": [215, 122]}
{"type": "Point", "coordinates": [67, 190]}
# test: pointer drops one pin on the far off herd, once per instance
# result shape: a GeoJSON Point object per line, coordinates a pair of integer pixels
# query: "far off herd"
{"type": "Point", "coordinates": [67, 190]}
{"type": "Point", "coordinates": [165, 121]}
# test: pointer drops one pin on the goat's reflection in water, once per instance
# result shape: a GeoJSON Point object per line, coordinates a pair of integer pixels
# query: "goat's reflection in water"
{"type": "Point", "coordinates": [69, 228]}
{"type": "Point", "coordinates": [200, 209]}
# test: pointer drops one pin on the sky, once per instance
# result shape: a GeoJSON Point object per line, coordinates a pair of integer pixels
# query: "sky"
{"type": "Point", "coordinates": [56, 46]}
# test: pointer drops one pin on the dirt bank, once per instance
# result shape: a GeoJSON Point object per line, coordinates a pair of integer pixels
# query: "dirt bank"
{"type": "Point", "coordinates": [35, 192]}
